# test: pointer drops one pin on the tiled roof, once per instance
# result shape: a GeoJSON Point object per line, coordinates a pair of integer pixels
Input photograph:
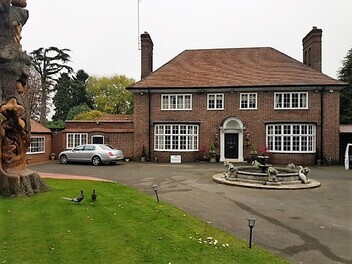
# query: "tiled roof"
{"type": "Point", "coordinates": [108, 118]}
{"type": "Point", "coordinates": [94, 129]}
{"type": "Point", "coordinates": [38, 128]}
{"type": "Point", "coordinates": [238, 67]}
{"type": "Point", "coordinates": [113, 118]}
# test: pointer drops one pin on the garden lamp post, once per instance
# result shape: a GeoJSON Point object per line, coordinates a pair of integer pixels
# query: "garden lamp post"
{"type": "Point", "coordinates": [155, 188]}
{"type": "Point", "coordinates": [251, 223]}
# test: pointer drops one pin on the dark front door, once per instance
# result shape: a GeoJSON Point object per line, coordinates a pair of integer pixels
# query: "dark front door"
{"type": "Point", "coordinates": [231, 146]}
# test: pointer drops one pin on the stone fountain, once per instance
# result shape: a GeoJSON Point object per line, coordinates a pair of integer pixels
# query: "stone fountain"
{"type": "Point", "coordinates": [262, 175]}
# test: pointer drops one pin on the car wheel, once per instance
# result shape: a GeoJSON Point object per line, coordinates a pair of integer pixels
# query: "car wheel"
{"type": "Point", "coordinates": [96, 160]}
{"type": "Point", "coordinates": [63, 159]}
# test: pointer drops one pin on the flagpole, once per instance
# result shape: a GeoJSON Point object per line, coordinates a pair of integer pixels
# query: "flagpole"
{"type": "Point", "coordinates": [139, 43]}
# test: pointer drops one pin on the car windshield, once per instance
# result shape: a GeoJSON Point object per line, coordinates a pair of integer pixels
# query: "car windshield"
{"type": "Point", "coordinates": [107, 147]}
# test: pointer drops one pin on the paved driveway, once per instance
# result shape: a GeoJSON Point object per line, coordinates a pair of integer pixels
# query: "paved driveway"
{"type": "Point", "coordinates": [305, 226]}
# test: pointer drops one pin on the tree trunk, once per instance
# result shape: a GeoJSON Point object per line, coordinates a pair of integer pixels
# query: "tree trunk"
{"type": "Point", "coordinates": [15, 178]}
{"type": "Point", "coordinates": [21, 183]}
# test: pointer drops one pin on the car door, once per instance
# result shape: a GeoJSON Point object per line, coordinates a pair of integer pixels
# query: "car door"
{"type": "Point", "coordinates": [75, 154]}
{"type": "Point", "coordinates": [88, 151]}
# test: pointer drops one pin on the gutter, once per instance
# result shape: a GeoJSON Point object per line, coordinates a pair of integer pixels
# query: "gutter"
{"type": "Point", "coordinates": [149, 125]}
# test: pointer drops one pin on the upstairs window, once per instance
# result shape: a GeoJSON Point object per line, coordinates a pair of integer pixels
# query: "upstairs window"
{"type": "Point", "coordinates": [296, 100]}
{"type": "Point", "coordinates": [248, 101]}
{"type": "Point", "coordinates": [176, 102]}
{"type": "Point", "coordinates": [215, 101]}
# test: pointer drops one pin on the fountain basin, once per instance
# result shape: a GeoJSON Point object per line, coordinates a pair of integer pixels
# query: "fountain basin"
{"type": "Point", "coordinates": [253, 177]}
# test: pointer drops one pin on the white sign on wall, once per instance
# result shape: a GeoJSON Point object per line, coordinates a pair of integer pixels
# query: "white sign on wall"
{"type": "Point", "coordinates": [175, 159]}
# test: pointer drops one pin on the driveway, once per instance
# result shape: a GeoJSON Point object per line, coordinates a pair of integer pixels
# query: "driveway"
{"type": "Point", "coordinates": [304, 226]}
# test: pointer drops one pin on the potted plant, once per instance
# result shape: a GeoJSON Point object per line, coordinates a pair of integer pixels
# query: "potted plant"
{"type": "Point", "coordinates": [212, 152]}
{"type": "Point", "coordinates": [52, 156]}
{"type": "Point", "coordinates": [203, 153]}
{"type": "Point", "coordinates": [318, 157]}
{"type": "Point", "coordinates": [254, 153]}
{"type": "Point", "coordinates": [143, 154]}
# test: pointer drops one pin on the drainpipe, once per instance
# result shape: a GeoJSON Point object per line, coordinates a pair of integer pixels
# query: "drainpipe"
{"type": "Point", "coordinates": [322, 122]}
{"type": "Point", "coordinates": [149, 126]}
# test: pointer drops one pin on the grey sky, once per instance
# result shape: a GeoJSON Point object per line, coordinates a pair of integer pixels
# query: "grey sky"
{"type": "Point", "coordinates": [103, 35]}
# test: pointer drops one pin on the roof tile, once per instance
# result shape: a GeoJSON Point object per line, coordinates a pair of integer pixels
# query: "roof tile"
{"type": "Point", "coordinates": [234, 68]}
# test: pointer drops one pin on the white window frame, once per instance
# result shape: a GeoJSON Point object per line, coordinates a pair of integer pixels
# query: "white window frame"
{"type": "Point", "coordinates": [286, 100]}
{"type": "Point", "coordinates": [213, 103]}
{"type": "Point", "coordinates": [176, 102]}
{"type": "Point", "coordinates": [76, 139]}
{"type": "Point", "coordinates": [245, 102]}
{"type": "Point", "coordinates": [38, 144]}
{"type": "Point", "coordinates": [176, 137]}
{"type": "Point", "coordinates": [291, 138]}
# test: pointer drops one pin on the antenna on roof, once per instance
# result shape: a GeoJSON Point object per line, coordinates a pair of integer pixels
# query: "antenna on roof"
{"type": "Point", "coordinates": [139, 40]}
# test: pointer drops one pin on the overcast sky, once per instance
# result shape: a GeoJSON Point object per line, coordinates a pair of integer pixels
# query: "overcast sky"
{"type": "Point", "coordinates": [103, 35]}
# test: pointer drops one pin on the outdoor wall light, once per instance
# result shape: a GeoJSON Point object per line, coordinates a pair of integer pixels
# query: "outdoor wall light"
{"type": "Point", "coordinates": [251, 223]}
{"type": "Point", "coordinates": [155, 188]}
{"type": "Point", "coordinates": [247, 139]}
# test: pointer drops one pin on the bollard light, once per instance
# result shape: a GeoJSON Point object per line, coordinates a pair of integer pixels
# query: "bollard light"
{"type": "Point", "coordinates": [251, 224]}
{"type": "Point", "coordinates": [155, 188]}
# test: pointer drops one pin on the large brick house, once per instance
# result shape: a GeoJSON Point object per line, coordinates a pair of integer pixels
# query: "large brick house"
{"type": "Point", "coordinates": [238, 100]}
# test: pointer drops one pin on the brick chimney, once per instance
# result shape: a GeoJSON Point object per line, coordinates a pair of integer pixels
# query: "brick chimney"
{"type": "Point", "coordinates": [146, 55]}
{"type": "Point", "coordinates": [312, 49]}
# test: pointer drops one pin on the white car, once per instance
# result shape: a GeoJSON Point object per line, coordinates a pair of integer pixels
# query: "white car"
{"type": "Point", "coordinates": [94, 153]}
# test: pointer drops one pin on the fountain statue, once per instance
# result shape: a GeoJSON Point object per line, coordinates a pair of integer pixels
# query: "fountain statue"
{"type": "Point", "coordinates": [15, 178]}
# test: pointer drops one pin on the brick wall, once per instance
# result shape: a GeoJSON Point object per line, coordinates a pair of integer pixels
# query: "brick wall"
{"type": "Point", "coordinates": [331, 122]}
{"type": "Point", "coordinates": [253, 120]}
{"type": "Point", "coordinates": [40, 157]}
{"type": "Point", "coordinates": [119, 134]}
{"type": "Point", "coordinates": [141, 121]}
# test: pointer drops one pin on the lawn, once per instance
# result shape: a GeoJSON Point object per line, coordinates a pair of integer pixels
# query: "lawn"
{"type": "Point", "coordinates": [122, 226]}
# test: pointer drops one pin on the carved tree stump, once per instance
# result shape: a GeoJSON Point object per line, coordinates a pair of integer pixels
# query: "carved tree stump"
{"type": "Point", "coordinates": [15, 178]}
{"type": "Point", "coordinates": [26, 183]}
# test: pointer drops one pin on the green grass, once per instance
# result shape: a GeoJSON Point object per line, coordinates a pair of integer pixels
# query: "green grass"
{"type": "Point", "coordinates": [122, 226]}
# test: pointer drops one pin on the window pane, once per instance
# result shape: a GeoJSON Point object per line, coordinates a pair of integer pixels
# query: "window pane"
{"type": "Point", "coordinates": [253, 101]}
{"type": "Point", "coordinates": [180, 102]}
{"type": "Point", "coordinates": [303, 100]}
{"type": "Point", "coordinates": [187, 102]}
{"type": "Point", "coordinates": [211, 101]}
{"type": "Point", "coordinates": [278, 100]}
{"type": "Point", "coordinates": [219, 101]}
{"type": "Point", "coordinates": [287, 143]}
{"type": "Point", "coordinates": [287, 100]}
{"type": "Point", "coordinates": [295, 146]}
{"type": "Point", "coordinates": [172, 102]}
{"type": "Point", "coordinates": [277, 143]}
{"type": "Point", "coordinates": [165, 102]}
{"type": "Point", "coordinates": [295, 100]}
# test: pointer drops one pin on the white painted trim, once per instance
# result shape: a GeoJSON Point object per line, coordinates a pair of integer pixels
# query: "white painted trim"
{"type": "Point", "coordinates": [225, 129]}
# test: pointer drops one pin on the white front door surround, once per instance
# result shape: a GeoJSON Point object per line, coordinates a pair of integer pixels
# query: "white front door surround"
{"type": "Point", "coordinates": [231, 125]}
